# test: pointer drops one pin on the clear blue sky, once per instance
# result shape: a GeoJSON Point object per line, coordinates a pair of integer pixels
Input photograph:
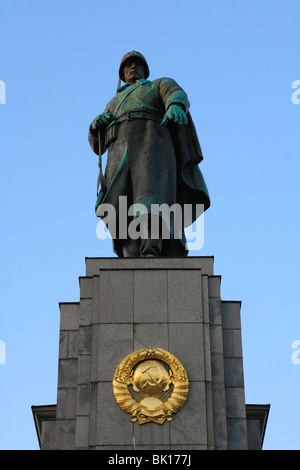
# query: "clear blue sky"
{"type": "Point", "coordinates": [237, 60]}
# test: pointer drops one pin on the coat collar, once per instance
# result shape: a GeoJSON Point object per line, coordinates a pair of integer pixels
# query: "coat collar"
{"type": "Point", "coordinates": [142, 81]}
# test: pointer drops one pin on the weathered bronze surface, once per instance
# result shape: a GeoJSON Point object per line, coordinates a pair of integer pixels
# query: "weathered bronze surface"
{"type": "Point", "coordinates": [150, 385]}
{"type": "Point", "coordinates": [153, 154]}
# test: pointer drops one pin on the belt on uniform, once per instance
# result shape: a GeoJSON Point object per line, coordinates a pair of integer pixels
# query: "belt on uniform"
{"type": "Point", "coordinates": [139, 115]}
{"type": "Point", "coordinates": [112, 129]}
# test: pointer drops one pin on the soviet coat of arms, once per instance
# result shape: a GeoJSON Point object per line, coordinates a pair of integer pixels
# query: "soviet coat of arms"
{"type": "Point", "coordinates": [150, 385]}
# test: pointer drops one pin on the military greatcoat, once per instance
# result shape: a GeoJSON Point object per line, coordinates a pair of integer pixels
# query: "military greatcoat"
{"type": "Point", "coordinates": [147, 162]}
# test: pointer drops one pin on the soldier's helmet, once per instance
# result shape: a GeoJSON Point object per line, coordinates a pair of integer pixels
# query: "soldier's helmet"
{"type": "Point", "coordinates": [139, 57]}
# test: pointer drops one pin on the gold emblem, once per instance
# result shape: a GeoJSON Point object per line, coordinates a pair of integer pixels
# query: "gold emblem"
{"type": "Point", "coordinates": [150, 385]}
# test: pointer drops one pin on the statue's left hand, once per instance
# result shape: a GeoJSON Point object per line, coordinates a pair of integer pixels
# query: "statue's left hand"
{"type": "Point", "coordinates": [175, 113]}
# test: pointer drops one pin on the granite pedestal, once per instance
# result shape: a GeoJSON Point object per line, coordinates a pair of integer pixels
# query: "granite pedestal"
{"type": "Point", "coordinates": [170, 303]}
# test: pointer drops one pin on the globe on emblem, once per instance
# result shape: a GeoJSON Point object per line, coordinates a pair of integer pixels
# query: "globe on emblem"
{"type": "Point", "coordinates": [151, 378]}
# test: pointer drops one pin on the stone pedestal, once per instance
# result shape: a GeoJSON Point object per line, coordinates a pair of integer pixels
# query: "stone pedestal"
{"type": "Point", "coordinates": [169, 303]}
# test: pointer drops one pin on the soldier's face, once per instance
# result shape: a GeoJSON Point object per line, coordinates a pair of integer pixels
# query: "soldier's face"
{"type": "Point", "coordinates": [133, 70]}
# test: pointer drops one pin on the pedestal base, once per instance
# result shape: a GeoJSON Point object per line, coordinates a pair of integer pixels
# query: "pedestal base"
{"type": "Point", "coordinates": [168, 303]}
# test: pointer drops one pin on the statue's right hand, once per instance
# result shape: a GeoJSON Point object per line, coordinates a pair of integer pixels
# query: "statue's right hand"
{"type": "Point", "coordinates": [102, 120]}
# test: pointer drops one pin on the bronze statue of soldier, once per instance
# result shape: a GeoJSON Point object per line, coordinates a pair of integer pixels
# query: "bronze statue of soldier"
{"type": "Point", "coordinates": [153, 156]}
